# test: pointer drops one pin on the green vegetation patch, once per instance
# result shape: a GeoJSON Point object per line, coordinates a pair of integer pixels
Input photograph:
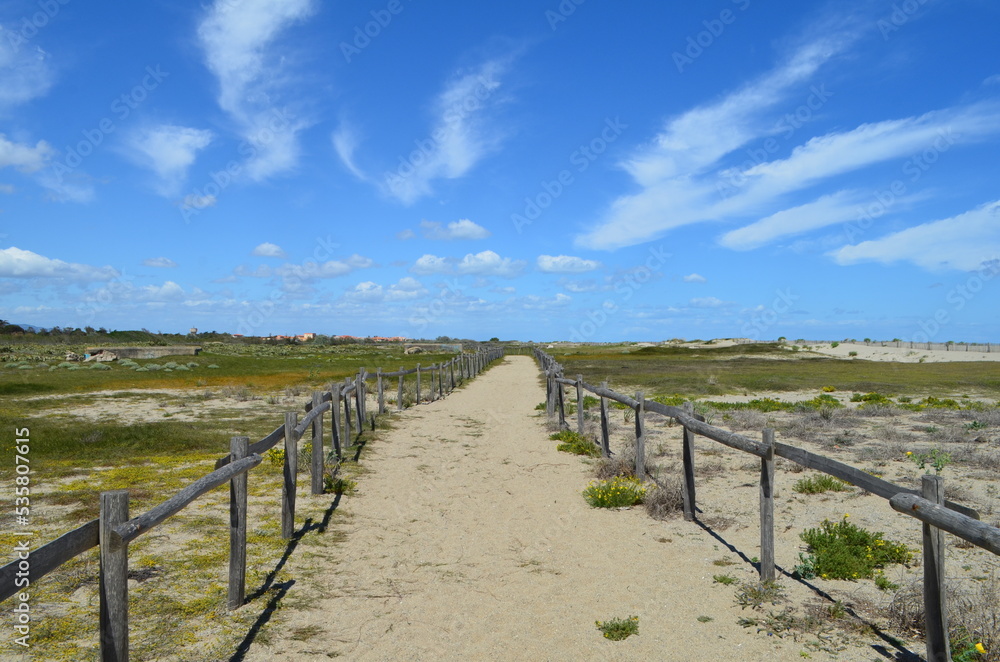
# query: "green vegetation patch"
{"type": "Point", "coordinates": [820, 483]}
{"type": "Point", "coordinates": [841, 550]}
{"type": "Point", "coordinates": [619, 628]}
{"type": "Point", "coordinates": [619, 492]}
{"type": "Point", "coordinates": [575, 443]}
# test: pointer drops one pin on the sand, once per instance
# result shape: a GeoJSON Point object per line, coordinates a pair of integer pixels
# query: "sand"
{"type": "Point", "coordinates": [470, 540]}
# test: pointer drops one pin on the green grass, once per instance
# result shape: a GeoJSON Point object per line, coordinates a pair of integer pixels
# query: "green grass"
{"type": "Point", "coordinates": [819, 484]}
{"type": "Point", "coordinates": [754, 368]}
{"type": "Point", "coordinates": [575, 444]}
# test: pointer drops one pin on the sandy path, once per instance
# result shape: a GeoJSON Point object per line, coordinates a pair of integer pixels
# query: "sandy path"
{"type": "Point", "coordinates": [470, 540]}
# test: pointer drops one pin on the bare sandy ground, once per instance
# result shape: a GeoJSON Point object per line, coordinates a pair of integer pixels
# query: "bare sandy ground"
{"type": "Point", "coordinates": [470, 540]}
{"type": "Point", "coordinates": [875, 352]}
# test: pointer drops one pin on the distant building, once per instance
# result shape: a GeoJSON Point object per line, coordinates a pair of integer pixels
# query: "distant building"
{"type": "Point", "coordinates": [193, 331]}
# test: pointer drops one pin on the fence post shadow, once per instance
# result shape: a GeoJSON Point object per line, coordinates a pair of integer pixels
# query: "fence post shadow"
{"type": "Point", "coordinates": [903, 654]}
{"type": "Point", "coordinates": [262, 620]}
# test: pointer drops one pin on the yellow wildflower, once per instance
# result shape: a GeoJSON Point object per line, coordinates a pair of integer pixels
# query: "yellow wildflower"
{"type": "Point", "coordinates": [981, 648]}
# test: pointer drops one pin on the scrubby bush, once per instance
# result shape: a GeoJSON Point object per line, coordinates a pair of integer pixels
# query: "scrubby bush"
{"type": "Point", "coordinates": [575, 444]}
{"type": "Point", "coordinates": [615, 493]}
{"type": "Point", "coordinates": [841, 550]}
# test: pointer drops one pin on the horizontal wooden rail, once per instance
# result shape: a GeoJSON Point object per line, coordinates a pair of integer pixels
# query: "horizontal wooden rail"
{"type": "Point", "coordinates": [967, 528]}
{"type": "Point", "coordinates": [135, 527]}
{"type": "Point", "coordinates": [862, 479]}
{"type": "Point", "coordinates": [313, 413]}
{"type": "Point", "coordinates": [258, 447]}
{"type": "Point", "coordinates": [50, 556]}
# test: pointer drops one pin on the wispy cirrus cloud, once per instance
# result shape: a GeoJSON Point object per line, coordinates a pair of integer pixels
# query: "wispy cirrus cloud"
{"type": "Point", "coordinates": [682, 168]}
{"type": "Point", "coordinates": [159, 262]}
{"type": "Point", "coordinates": [242, 46]}
{"type": "Point", "coordinates": [26, 72]}
{"type": "Point", "coordinates": [463, 133]}
{"type": "Point", "coordinates": [968, 241]}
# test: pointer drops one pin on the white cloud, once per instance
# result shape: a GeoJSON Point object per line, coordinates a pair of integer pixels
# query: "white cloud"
{"type": "Point", "coordinates": [24, 157]}
{"type": "Point", "coordinates": [565, 264]}
{"type": "Point", "coordinates": [26, 71]}
{"type": "Point", "coordinates": [405, 290]}
{"type": "Point", "coordinates": [837, 207]}
{"type": "Point", "coordinates": [430, 264]}
{"type": "Point", "coordinates": [345, 142]}
{"type": "Point", "coordinates": [269, 250]}
{"type": "Point", "coordinates": [695, 278]}
{"type": "Point", "coordinates": [460, 229]}
{"type": "Point", "coordinates": [405, 235]}
{"type": "Point", "coordinates": [18, 263]}
{"type": "Point", "coordinates": [965, 242]}
{"type": "Point", "coordinates": [707, 302]}
{"type": "Point", "coordinates": [683, 170]}
{"type": "Point", "coordinates": [199, 201]}
{"type": "Point", "coordinates": [169, 291]}
{"type": "Point", "coordinates": [461, 137]}
{"type": "Point", "coordinates": [7, 189]}
{"type": "Point", "coordinates": [239, 40]}
{"type": "Point", "coordinates": [331, 269]}
{"type": "Point", "coordinates": [488, 263]}
{"type": "Point", "coordinates": [160, 262]}
{"type": "Point", "coordinates": [168, 150]}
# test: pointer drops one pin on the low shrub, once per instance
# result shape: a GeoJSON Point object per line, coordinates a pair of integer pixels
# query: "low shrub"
{"type": "Point", "coordinates": [842, 550]}
{"type": "Point", "coordinates": [666, 500]}
{"type": "Point", "coordinates": [619, 628]}
{"type": "Point", "coordinates": [618, 492]}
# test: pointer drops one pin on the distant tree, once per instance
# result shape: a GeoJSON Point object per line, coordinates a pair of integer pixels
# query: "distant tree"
{"type": "Point", "coordinates": [494, 339]}
{"type": "Point", "coordinates": [442, 339]}
{"type": "Point", "coordinates": [11, 328]}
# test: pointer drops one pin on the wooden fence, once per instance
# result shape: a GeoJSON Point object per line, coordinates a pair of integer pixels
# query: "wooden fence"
{"type": "Point", "coordinates": [113, 530]}
{"type": "Point", "coordinates": [928, 504]}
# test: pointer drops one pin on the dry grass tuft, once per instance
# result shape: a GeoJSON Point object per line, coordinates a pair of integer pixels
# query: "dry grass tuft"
{"type": "Point", "coordinates": [666, 500]}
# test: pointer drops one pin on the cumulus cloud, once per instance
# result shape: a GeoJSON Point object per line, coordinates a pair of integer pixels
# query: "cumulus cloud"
{"type": "Point", "coordinates": [565, 264]}
{"type": "Point", "coordinates": [430, 264]}
{"type": "Point", "coordinates": [269, 250]}
{"type": "Point", "coordinates": [24, 157]}
{"type": "Point", "coordinates": [460, 229]}
{"type": "Point", "coordinates": [489, 263]}
{"type": "Point", "coordinates": [159, 262]}
{"type": "Point", "coordinates": [19, 263]}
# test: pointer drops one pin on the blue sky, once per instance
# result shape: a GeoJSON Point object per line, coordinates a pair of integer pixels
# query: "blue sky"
{"type": "Point", "coordinates": [534, 170]}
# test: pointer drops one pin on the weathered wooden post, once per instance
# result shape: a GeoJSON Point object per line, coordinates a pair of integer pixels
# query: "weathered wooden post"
{"type": "Point", "coordinates": [418, 384]}
{"type": "Point", "coordinates": [640, 437]}
{"type": "Point", "coordinates": [935, 608]}
{"type": "Point", "coordinates": [550, 396]}
{"type": "Point", "coordinates": [430, 397]}
{"type": "Point", "coordinates": [289, 476]}
{"type": "Point", "coordinates": [359, 396]}
{"type": "Point", "coordinates": [561, 403]}
{"type": "Point", "coordinates": [579, 404]}
{"type": "Point", "coordinates": [399, 391]}
{"type": "Point", "coordinates": [441, 380]}
{"type": "Point", "coordinates": [767, 508]}
{"type": "Point", "coordinates": [113, 583]}
{"type": "Point", "coordinates": [335, 420]}
{"type": "Point", "coordinates": [381, 391]}
{"type": "Point", "coordinates": [687, 460]}
{"type": "Point", "coordinates": [238, 449]}
{"type": "Point", "coordinates": [317, 446]}
{"type": "Point", "coordinates": [347, 413]}
{"type": "Point", "coordinates": [451, 365]}
{"type": "Point", "coordinates": [605, 432]}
